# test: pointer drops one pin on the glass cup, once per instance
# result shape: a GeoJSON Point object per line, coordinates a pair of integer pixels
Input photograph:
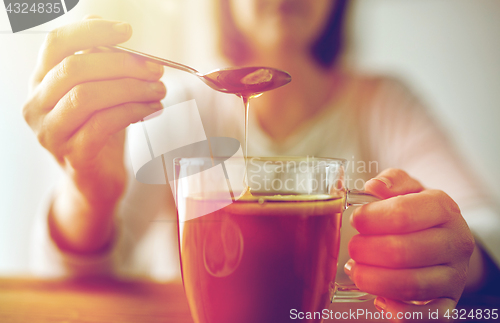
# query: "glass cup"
{"type": "Point", "coordinates": [255, 258]}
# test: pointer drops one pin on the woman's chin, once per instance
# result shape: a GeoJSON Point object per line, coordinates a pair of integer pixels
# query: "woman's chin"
{"type": "Point", "coordinates": [282, 43]}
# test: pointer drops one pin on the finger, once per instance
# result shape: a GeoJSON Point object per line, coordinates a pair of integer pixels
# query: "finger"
{"type": "Point", "coordinates": [415, 284]}
{"type": "Point", "coordinates": [424, 248]}
{"type": "Point", "coordinates": [405, 213]}
{"type": "Point", "coordinates": [392, 182]}
{"type": "Point", "coordinates": [79, 104]}
{"type": "Point", "coordinates": [76, 69]}
{"type": "Point", "coordinates": [65, 41]}
{"type": "Point", "coordinates": [94, 134]}
{"type": "Point", "coordinates": [433, 311]}
{"type": "Point", "coordinates": [93, 49]}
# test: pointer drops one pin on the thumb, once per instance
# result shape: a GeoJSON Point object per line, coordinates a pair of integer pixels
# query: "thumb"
{"type": "Point", "coordinates": [392, 182]}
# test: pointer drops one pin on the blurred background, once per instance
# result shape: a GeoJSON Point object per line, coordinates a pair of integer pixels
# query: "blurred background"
{"type": "Point", "coordinates": [447, 51]}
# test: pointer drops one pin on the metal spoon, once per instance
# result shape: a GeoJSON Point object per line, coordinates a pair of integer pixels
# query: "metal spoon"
{"type": "Point", "coordinates": [242, 81]}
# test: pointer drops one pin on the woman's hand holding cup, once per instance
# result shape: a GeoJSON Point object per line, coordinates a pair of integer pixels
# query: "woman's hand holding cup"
{"type": "Point", "coordinates": [412, 246]}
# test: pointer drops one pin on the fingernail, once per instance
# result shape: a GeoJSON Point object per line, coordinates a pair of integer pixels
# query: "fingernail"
{"type": "Point", "coordinates": [157, 87]}
{"type": "Point", "coordinates": [380, 304]}
{"type": "Point", "coordinates": [387, 183]}
{"type": "Point", "coordinates": [156, 106]}
{"type": "Point", "coordinates": [155, 68]}
{"type": "Point", "coordinates": [348, 267]}
{"type": "Point", "coordinates": [420, 303]}
{"type": "Point", "coordinates": [122, 27]}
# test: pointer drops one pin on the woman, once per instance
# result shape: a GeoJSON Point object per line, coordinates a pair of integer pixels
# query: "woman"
{"type": "Point", "coordinates": [417, 249]}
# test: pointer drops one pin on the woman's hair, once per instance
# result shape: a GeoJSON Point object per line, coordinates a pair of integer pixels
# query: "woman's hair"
{"type": "Point", "coordinates": [325, 50]}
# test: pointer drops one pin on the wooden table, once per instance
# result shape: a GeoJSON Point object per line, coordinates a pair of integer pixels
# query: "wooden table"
{"type": "Point", "coordinates": [108, 300]}
{"type": "Point", "coordinates": [100, 300]}
{"type": "Point", "coordinates": [94, 300]}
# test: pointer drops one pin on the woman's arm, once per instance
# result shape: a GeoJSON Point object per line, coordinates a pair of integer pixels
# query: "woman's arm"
{"type": "Point", "coordinates": [79, 107]}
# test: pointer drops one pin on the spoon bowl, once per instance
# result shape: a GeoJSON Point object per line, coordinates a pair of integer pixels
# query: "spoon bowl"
{"type": "Point", "coordinates": [246, 81]}
{"type": "Point", "coordinates": [242, 81]}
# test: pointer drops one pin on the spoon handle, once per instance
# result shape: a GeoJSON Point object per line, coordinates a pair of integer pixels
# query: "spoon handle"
{"type": "Point", "coordinates": [156, 60]}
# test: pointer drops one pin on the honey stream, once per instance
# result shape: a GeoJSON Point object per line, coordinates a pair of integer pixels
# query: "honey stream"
{"type": "Point", "coordinates": [249, 83]}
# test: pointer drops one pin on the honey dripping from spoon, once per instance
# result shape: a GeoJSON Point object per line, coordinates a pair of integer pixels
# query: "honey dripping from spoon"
{"type": "Point", "coordinates": [245, 82]}
{"type": "Point", "coordinates": [249, 83]}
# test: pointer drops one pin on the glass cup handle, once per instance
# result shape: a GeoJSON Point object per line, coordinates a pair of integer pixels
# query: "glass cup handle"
{"type": "Point", "coordinates": [343, 293]}
{"type": "Point", "coordinates": [348, 293]}
{"type": "Point", "coordinates": [358, 197]}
